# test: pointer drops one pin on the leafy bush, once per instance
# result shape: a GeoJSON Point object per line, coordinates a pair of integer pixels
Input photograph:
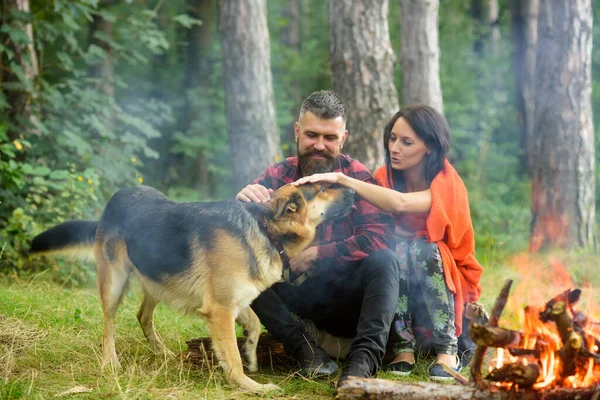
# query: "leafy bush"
{"type": "Point", "coordinates": [69, 144]}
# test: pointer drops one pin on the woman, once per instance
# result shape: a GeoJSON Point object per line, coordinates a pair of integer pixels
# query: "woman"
{"type": "Point", "coordinates": [434, 233]}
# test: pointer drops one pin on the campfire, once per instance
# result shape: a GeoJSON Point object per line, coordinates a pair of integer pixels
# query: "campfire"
{"type": "Point", "coordinates": [554, 355]}
{"type": "Point", "coordinates": [557, 347]}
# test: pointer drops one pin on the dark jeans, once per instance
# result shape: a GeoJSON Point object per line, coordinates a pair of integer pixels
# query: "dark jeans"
{"type": "Point", "coordinates": [360, 305]}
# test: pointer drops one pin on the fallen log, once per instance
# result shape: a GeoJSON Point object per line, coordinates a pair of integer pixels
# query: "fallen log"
{"type": "Point", "coordinates": [523, 375]}
{"type": "Point", "coordinates": [367, 388]}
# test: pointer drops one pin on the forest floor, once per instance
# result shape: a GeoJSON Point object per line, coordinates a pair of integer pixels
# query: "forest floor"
{"type": "Point", "coordinates": [50, 338]}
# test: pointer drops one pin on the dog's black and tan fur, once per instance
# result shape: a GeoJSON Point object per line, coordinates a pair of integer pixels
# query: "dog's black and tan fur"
{"type": "Point", "coordinates": [209, 259]}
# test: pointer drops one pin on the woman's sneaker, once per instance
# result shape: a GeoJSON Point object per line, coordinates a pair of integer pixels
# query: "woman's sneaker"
{"type": "Point", "coordinates": [437, 373]}
{"type": "Point", "coordinates": [401, 368]}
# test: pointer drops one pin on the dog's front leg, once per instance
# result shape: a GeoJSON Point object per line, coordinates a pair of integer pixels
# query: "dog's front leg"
{"type": "Point", "coordinates": [252, 328]}
{"type": "Point", "coordinates": [221, 323]}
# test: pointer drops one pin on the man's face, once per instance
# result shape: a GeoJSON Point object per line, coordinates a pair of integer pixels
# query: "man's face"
{"type": "Point", "coordinates": [319, 142]}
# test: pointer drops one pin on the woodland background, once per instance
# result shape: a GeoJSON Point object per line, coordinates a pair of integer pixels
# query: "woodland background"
{"type": "Point", "coordinates": [101, 94]}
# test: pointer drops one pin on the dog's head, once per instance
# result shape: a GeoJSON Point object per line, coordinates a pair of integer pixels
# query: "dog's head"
{"type": "Point", "coordinates": [311, 204]}
{"type": "Point", "coordinates": [294, 212]}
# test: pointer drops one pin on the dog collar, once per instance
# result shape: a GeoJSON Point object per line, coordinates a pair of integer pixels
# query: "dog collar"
{"type": "Point", "coordinates": [285, 259]}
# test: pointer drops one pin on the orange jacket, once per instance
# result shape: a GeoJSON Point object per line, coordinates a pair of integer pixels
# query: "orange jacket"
{"type": "Point", "coordinates": [449, 225]}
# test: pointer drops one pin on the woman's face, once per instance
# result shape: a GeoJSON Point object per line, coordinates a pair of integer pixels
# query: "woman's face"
{"type": "Point", "coordinates": [407, 149]}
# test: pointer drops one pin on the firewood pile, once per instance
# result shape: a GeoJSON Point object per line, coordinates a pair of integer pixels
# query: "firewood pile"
{"type": "Point", "coordinates": [555, 356]}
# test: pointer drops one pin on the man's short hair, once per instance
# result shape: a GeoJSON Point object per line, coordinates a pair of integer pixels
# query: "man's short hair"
{"type": "Point", "coordinates": [324, 104]}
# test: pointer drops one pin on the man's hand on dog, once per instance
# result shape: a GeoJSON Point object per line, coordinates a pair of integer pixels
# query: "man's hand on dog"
{"type": "Point", "coordinates": [304, 261]}
{"type": "Point", "coordinates": [254, 193]}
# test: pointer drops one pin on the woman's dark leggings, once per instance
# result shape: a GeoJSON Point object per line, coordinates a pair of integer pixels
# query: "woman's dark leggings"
{"type": "Point", "coordinates": [423, 290]}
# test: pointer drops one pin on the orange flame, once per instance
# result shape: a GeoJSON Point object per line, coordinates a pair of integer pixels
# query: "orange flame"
{"type": "Point", "coordinates": [536, 288]}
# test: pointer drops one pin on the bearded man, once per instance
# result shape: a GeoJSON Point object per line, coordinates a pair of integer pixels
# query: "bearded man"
{"type": "Point", "coordinates": [347, 281]}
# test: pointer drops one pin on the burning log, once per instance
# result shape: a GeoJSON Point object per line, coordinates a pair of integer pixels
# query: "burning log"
{"type": "Point", "coordinates": [568, 355]}
{"type": "Point", "coordinates": [477, 360]}
{"type": "Point", "coordinates": [561, 317]}
{"type": "Point", "coordinates": [492, 336]}
{"type": "Point", "coordinates": [569, 297]}
{"type": "Point", "coordinates": [581, 322]}
{"type": "Point", "coordinates": [533, 353]}
{"type": "Point", "coordinates": [592, 355]}
{"type": "Point", "coordinates": [580, 319]}
{"type": "Point", "coordinates": [518, 373]}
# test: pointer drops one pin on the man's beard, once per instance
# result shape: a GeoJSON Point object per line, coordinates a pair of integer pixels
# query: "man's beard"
{"type": "Point", "coordinates": [310, 166]}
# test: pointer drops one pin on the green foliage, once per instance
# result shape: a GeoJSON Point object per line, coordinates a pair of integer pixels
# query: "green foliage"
{"type": "Point", "coordinates": [49, 197]}
{"type": "Point", "coordinates": [157, 116]}
{"type": "Point", "coordinates": [66, 143]}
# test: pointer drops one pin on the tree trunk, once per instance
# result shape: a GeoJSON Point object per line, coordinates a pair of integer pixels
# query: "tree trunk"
{"type": "Point", "coordinates": [25, 56]}
{"type": "Point", "coordinates": [31, 68]}
{"type": "Point", "coordinates": [420, 53]}
{"type": "Point", "coordinates": [362, 61]}
{"type": "Point", "coordinates": [198, 69]}
{"type": "Point", "coordinates": [105, 70]}
{"type": "Point", "coordinates": [524, 33]}
{"type": "Point", "coordinates": [199, 38]}
{"type": "Point", "coordinates": [494, 26]}
{"type": "Point", "coordinates": [251, 122]}
{"type": "Point", "coordinates": [291, 36]}
{"type": "Point", "coordinates": [476, 10]}
{"type": "Point", "coordinates": [291, 32]}
{"type": "Point", "coordinates": [563, 198]}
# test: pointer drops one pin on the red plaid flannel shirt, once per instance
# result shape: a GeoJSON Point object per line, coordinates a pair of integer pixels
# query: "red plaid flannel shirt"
{"type": "Point", "coordinates": [344, 242]}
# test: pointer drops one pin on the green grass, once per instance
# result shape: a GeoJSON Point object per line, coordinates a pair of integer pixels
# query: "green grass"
{"type": "Point", "coordinates": [50, 340]}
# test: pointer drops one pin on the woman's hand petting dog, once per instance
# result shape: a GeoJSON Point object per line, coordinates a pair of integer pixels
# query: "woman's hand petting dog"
{"type": "Point", "coordinates": [328, 177]}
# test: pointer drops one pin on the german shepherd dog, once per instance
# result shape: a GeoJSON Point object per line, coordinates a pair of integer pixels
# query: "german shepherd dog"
{"type": "Point", "coordinates": [208, 259]}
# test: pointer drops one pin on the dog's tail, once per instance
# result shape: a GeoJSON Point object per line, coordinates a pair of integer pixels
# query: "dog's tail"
{"type": "Point", "coordinates": [73, 238]}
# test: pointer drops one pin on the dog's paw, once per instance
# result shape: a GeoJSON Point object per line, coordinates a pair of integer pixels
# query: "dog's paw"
{"type": "Point", "coordinates": [111, 364]}
{"type": "Point", "coordinates": [252, 367]}
{"type": "Point", "coordinates": [267, 387]}
{"type": "Point", "coordinates": [250, 386]}
{"type": "Point", "coordinates": [164, 353]}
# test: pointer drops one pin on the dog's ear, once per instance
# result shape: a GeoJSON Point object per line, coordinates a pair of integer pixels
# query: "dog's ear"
{"type": "Point", "coordinates": [283, 205]}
